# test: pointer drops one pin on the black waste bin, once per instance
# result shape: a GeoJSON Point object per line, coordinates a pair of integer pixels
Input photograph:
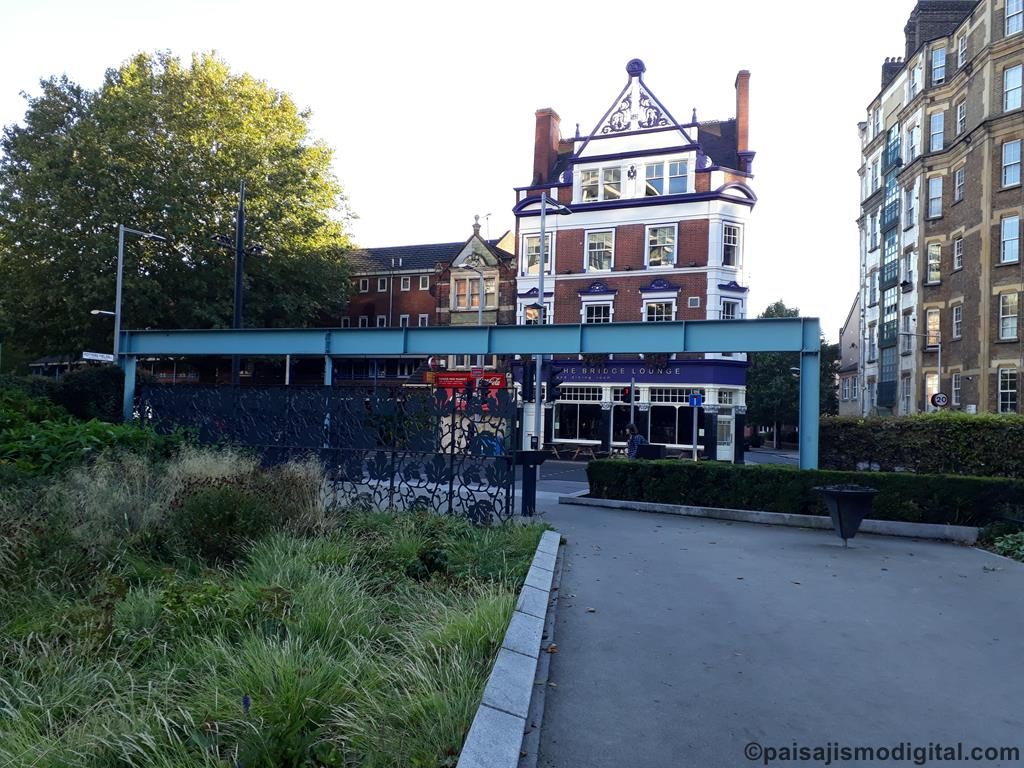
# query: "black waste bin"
{"type": "Point", "coordinates": [848, 505]}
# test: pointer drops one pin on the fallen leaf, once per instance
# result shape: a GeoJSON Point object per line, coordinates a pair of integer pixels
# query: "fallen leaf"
{"type": "Point", "coordinates": [739, 578]}
{"type": "Point", "coordinates": [591, 610]}
{"type": "Point", "coordinates": [553, 648]}
{"type": "Point", "coordinates": [795, 582]}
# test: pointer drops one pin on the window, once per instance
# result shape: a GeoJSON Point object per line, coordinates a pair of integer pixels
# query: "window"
{"type": "Point", "coordinates": [1009, 251]}
{"type": "Point", "coordinates": [873, 230]}
{"type": "Point", "coordinates": [961, 51]}
{"type": "Point", "coordinates": [1012, 87]}
{"type": "Point", "coordinates": [906, 335]}
{"type": "Point", "coordinates": [597, 313]}
{"type": "Point", "coordinates": [364, 321]}
{"type": "Point", "coordinates": [424, 321]}
{"type": "Point", "coordinates": [933, 333]}
{"type": "Point", "coordinates": [906, 394]}
{"type": "Point", "coordinates": [659, 311]}
{"type": "Point", "coordinates": [730, 310]}
{"type": "Point", "coordinates": [938, 122]}
{"type": "Point", "coordinates": [956, 388]}
{"type": "Point", "coordinates": [934, 197]}
{"type": "Point", "coordinates": [600, 184]}
{"type": "Point", "coordinates": [938, 66]}
{"type": "Point", "coordinates": [876, 122]}
{"type": "Point", "coordinates": [345, 322]}
{"type": "Point", "coordinates": [913, 142]}
{"type": "Point", "coordinates": [958, 253]}
{"type": "Point", "coordinates": [1011, 163]}
{"type": "Point", "coordinates": [611, 183]}
{"type": "Point", "coordinates": [958, 321]}
{"type": "Point", "coordinates": [873, 288]}
{"type": "Point", "coordinates": [599, 251]}
{"type": "Point", "coordinates": [931, 386]}
{"type": "Point", "coordinates": [1008, 316]}
{"type": "Point", "coordinates": [876, 178]}
{"type": "Point", "coordinates": [914, 84]}
{"type": "Point", "coordinates": [846, 389]}
{"type": "Point", "coordinates": [677, 177]}
{"type": "Point", "coordinates": [424, 282]}
{"type": "Point", "coordinates": [854, 394]}
{"type": "Point", "coordinates": [872, 336]}
{"type": "Point", "coordinates": [531, 250]}
{"type": "Point", "coordinates": [908, 267]}
{"type": "Point", "coordinates": [403, 321]}
{"type": "Point", "coordinates": [730, 245]}
{"type": "Point", "coordinates": [961, 117]}
{"type": "Point", "coordinates": [406, 283]}
{"type": "Point", "coordinates": [655, 180]}
{"type": "Point", "coordinates": [1007, 390]}
{"type": "Point", "coordinates": [661, 246]}
{"type": "Point", "coordinates": [364, 285]}
{"type": "Point", "coordinates": [1014, 16]}
{"type": "Point", "coordinates": [382, 284]}
{"type": "Point", "coordinates": [382, 321]}
{"type": "Point", "coordinates": [693, 302]}
{"type": "Point", "coordinates": [590, 185]}
{"type": "Point", "coordinates": [958, 184]}
{"type": "Point", "coordinates": [467, 292]}
{"type": "Point", "coordinates": [910, 213]}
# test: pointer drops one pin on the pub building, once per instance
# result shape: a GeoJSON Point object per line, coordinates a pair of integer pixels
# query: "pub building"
{"type": "Point", "coordinates": [652, 224]}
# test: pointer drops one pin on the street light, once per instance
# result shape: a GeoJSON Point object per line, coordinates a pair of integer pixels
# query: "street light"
{"type": "Point", "coordinates": [561, 210]}
{"type": "Point", "coordinates": [106, 312]}
{"type": "Point", "coordinates": [479, 304]}
{"type": "Point", "coordinates": [121, 231]}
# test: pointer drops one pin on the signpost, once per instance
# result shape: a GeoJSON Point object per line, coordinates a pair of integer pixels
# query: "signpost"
{"type": "Point", "coordinates": [696, 401]}
{"type": "Point", "coordinates": [100, 356]}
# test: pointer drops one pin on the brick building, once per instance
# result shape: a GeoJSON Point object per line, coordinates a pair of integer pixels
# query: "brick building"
{"type": "Point", "coordinates": [940, 224]}
{"type": "Point", "coordinates": [656, 231]}
{"type": "Point", "coordinates": [426, 285]}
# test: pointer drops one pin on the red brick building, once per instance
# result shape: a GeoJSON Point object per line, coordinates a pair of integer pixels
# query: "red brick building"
{"type": "Point", "coordinates": [656, 231]}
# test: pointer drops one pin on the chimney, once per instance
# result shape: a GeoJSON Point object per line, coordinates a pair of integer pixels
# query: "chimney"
{"type": "Point", "coordinates": [932, 19]}
{"type": "Point", "coordinates": [890, 68]}
{"type": "Point", "coordinates": [742, 110]}
{"type": "Point", "coordinates": [545, 144]}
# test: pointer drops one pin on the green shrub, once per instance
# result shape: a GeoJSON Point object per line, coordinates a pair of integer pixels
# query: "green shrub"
{"type": "Point", "coordinates": [215, 523]}
{"type": "Point", "coordinates": [93, 392]}
{"type": "Point", "coordinates": [901, 496]}
{"type": "Point", "coordinates": [980, 445]}
{"type": "Point", "coordinates": [1011, 546]}
{"type": "Point", "coordinates": [30, 386]}
{"type": "Point", "coordinates": [18, 408]}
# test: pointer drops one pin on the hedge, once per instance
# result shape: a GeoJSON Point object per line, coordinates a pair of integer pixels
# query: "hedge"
{"type": "Point", "coordinates": [901, 496]}
{"type": "Point", "coordinates": [982, 445]}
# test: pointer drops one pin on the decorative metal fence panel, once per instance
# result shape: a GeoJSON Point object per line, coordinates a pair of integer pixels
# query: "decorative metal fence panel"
{"type": "Point", "coordinates": [447, 451]}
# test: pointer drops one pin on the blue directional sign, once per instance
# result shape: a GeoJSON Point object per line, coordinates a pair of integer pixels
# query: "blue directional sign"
{"type": "Point", "coordinates": [696, 401]}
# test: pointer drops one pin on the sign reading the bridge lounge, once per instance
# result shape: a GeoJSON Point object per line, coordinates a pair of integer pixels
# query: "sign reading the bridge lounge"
{"type": "Point", "coordinates": [728, 372]}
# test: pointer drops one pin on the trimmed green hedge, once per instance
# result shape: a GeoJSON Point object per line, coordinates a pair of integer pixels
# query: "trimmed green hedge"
{"type": "Point", "coordinates": [772, 488]}
{"type": "Point", "coordinates": [982, 445]}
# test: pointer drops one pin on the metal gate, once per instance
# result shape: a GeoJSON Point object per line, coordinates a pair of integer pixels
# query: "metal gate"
{"type": "Point", "coordinates": [401, 448]}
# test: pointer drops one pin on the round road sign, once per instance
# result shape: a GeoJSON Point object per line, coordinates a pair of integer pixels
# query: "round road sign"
{"type": "Point", "coordinates": [940, 400]}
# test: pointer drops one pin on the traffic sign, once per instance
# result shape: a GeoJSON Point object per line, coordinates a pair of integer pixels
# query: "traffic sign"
{"type": "Point", "coordinates": [101, 356]}
{"type": "Point", "coordinates": [696, 400]}
{"type": "Point", "coordinates": [940, 400]}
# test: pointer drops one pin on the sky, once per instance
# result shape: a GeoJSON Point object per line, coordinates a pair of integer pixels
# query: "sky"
{"type": "Point", "coordinates": [430, 106]}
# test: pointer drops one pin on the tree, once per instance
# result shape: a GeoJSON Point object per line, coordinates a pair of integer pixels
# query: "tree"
{"type": "Point", "coordinates": [161, 146]}
{"type": "Point", "coordinates": [773, 382]}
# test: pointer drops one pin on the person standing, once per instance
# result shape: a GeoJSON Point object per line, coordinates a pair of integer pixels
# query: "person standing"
{"type": "Point", "coordinates": [635, 440]}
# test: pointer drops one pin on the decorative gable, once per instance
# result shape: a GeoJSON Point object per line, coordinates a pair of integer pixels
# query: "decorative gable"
{"type": "Point", "coordinates": [598, 288]}
{"type": "Point", "coordinates": [660, 285]}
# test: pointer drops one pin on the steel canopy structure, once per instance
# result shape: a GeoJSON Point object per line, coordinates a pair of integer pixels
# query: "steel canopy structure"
{"type": "Point", "coordinates": [801, 335]}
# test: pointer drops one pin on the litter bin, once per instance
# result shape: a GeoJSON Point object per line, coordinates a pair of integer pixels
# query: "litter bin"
{"type": "Point", "coordinates": [848, 505]}
{"type": "Point", "coordinates": [650, 451]}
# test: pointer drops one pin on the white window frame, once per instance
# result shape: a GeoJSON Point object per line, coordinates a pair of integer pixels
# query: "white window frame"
{"type": "Point", "coordinates": [472, 283]}
{"type": "Point", "coordinates": [933, 330]}
{"type": "Point", "coordinates": [1009, 306]}
{"type": "Point", "coordinates": [939, 65]}
{"type": "Point", "coordinates": [1011, 168]}
{"type": "Point", "coordinates": [956, 387]}
{"type": "Point", "coordinates": [854, 388]}
{"type": "Point", "coordinates": [736, 308]}
{"type": "Point", "coordinates": [958, 253]}
{"type": "Point", "coordinates": [1014, 17]}
{"type": "Point", "coordinates": [403, 321]}
{"type": "Point", "coordinates": [423, 321]}
{"type": "Point", "coordinates": [1012, 94]}
{"type": "Point", "coordinates": [382, 321]}
{"type": "Point", "coordinates": [959, 179]}
{"type": "Point", "coordinates": [549, 260]}
{"type": "Point", "coordinates": [406, 284]}
{"type": "Point", "coordinates": [602, 180]}
{"type": "Point", "coordinates": [933, 263]}
{"type": "Point", "coordinates": [957, 312]}
{"type": "Point", "coordinates": [846, 389]}
{"type": "Point", "coordinates": [913, 83]}
{"type": "Point", "coordinates": [364, 285]}
{"type": "Point", "coordinates": [594, 304]}
{"type": "Point", "coordinates": [935, 197]}
{"type": "Point", "coordinates": [913, 142]}
{"type": "Point", "coordinates": [693, 302]}
{"type": "Point", "coordinates": [737, 245]}
{"type": "Point", "coordinates": [876, 174]}
{"type": "Point", "coordinates": [905, 394]}
{"type": "Point", "coordinates": [647, 245]}
{"type": "Point", "coordinates": [961, 117]}
{"type": "Point", "coordinates": [660, 164]}
{"type": "Point", "coordinates": [1005, 388]}
{"type": "Point", "coordinates": [364, 321]}
{"type": "Point", "coordinates": [586, 250]}
{"type": "Point", "coordinates": [936, 131]}
{"type": "Point", "coordinates": [346, 322]}
{"type": "Point", "coordinates": [1009, 239]}
{"type": "Point", "coordinates": [685, 176]}
{"type": "Point", "coordinates": [961, 51]}
{"type": "Point", "coordinates": [549, 310]}
{"type": "Point", "coordinates": [424, 282]}
{"type": "Point", "coordinates": [910, 208]}
{"type": "Point", "coordinates": [382, 285]}
{"type": "Point", "coordinates": [660, 300]}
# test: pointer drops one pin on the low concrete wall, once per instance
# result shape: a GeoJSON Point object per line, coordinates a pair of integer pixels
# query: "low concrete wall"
{"type": "Point", "coordinates": [958, 533]}
{"type": "Point", "coordinates": [496, 737]}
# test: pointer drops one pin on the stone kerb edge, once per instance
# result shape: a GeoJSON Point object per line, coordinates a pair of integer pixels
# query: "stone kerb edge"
{"type": "Point", "coordinates": [495, 738]}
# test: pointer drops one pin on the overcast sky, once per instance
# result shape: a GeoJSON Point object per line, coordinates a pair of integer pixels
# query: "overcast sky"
{"type": "Point", "coordinates": [430, 106]}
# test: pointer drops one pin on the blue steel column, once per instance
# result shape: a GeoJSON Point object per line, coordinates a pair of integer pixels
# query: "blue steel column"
{"type": "Point", "coordinates": [128, 404]}
{"type": "Point", "coordinates": [328, 370]}
{"type": "Point", "coordinates": [810, 380]}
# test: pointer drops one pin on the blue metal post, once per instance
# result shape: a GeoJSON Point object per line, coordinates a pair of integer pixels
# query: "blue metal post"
{"type": "Point", "coordinates": [128, 404]}
{"type": "Point", "coordinates": [810, 379]}
{"type": "Point", "coordinates": [328, 370]}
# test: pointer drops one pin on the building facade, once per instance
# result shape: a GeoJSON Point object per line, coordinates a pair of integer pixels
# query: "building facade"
{"type": "Point", "coordinates": [655, 231]}
{"type": "Point", "coordinates": [848, 374]}
{"type": "Point", "coordinates": [940, 223]}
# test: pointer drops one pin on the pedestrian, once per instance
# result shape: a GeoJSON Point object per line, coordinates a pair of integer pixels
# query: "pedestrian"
{"type": "Point", "coordinates": [635, 440]}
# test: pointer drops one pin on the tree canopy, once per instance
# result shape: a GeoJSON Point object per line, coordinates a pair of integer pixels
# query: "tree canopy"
{"type": "Point", "coordinates": [162, 146]}
{"type": "Point", "coordinates": [773, 389]}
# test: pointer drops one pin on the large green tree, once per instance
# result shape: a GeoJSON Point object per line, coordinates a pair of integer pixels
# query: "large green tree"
{"type": "Point", "coordinates": [161, 146]}
{"type": "Point", "coordinates": [773, 386]}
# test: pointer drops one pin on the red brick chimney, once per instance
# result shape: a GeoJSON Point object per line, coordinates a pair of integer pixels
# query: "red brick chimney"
{"type": "Point", "coordinates": [545, 144]}
{"type": "Point", "coordinates": [742, 109]}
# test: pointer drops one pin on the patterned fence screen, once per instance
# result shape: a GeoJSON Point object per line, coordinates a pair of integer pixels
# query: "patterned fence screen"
{"type": "Point", "coordinates": [449, 451]}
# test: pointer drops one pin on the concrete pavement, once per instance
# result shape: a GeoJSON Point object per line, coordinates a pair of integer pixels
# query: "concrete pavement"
{"type": "Point", "coordinates": [708, 635]}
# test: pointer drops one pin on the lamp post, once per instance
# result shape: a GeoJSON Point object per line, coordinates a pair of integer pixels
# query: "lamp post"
{"type": "Point", "coordinates": [538, 359]}
{"type": "Point", "coordinates": [121, 231]}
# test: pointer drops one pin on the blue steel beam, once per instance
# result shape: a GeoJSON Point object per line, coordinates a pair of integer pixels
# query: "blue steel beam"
{"type": "Point", "coordinates": [810, 377]}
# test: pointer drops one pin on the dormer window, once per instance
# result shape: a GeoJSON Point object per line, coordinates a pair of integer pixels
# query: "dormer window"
{"type": "Point", "coordinates": [655, 180]}
{"type": "Point", "coordinates": [677, 173]}
{"type": "Point", "coordinates": [600, 184]}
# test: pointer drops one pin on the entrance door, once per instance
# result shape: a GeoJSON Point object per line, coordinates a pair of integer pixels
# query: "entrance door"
{"type": "Point", "coordinates": [725, 438]}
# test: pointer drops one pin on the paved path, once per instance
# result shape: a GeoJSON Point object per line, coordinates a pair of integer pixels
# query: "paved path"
{"type": "Point", "coordinates": [708, 635]}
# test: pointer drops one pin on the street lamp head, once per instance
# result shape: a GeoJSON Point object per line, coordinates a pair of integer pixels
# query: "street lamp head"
{"type": "Point", "coordinates": [154, 236]}
{"type": "Point", "coordinates": [101, 312]}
